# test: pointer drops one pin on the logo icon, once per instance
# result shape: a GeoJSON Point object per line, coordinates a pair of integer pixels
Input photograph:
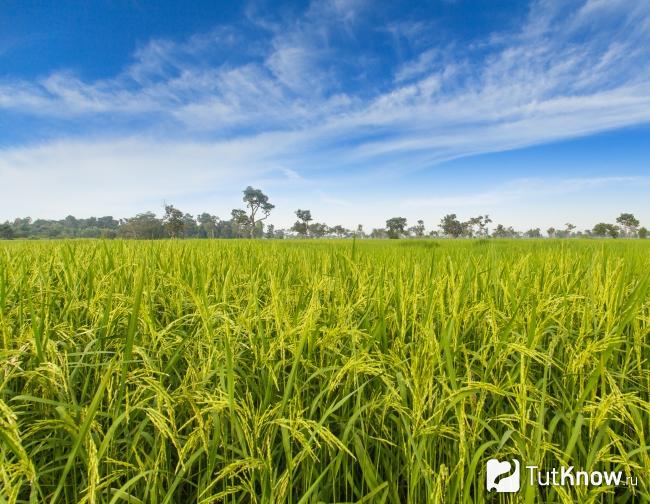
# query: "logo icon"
{"type": "Point", "coordinates": [503, 476]}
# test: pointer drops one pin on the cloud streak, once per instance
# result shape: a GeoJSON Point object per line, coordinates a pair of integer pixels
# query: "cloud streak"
{"type": "Point", "coordinates": [288, 102]}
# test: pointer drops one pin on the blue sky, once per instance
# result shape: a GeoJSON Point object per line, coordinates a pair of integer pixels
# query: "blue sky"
{"type": "Point", "coordinates": [537, 113]}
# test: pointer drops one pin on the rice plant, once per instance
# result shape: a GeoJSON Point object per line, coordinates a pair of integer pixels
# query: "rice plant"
{"type": "Point", "coordinates": [272, 372]}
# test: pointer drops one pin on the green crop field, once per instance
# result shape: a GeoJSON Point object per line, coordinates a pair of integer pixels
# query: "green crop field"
{"type": "Point", "coordinates": [303, 371]}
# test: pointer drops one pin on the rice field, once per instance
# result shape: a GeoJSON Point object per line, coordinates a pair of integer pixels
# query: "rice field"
{"type": "Point", "coordinates": [320, 372]}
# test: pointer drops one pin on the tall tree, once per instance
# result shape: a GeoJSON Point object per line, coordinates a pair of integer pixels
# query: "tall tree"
{"type": "Point", "coordinates": [568, 229]}
{"type": "Point", "coordinates": [483, 221]}
{"type": "Point", "coordinates": [629, 222]}
{"type": "Point", "coordinates": [451, 226]}
{"type": "Point", "coordinates": [395, 227]}
{"type": "Point", "coordinates": [241, 223]}
{"type": "Point", "coordinates": [208, 224]}
{"type": "Point", "coordinates": [418, 229]}
{"type": "Point", "coordinates": [301, 226]}
{"type": "Point", "coordinates": [190, 229]}
{"type": "Point", "coordinates": [256, 202]}
{"type": "Point", "coordinates": [173, 221]}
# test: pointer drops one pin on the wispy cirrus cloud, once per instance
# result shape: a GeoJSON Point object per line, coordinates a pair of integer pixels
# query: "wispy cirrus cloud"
{"type": "Point", "coordinates": [296, 80]}
{"type": "Point", "coordinates": [284, 94]}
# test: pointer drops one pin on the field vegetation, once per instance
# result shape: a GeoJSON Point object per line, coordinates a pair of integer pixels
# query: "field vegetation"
{"type": "Point", "coordinates": [320, 371]}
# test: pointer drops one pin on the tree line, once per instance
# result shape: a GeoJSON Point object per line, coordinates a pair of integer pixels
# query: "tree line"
{"type": "Point", "coordinates": [249, 223]}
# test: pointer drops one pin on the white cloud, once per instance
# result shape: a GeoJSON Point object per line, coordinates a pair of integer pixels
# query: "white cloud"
{"type": "Point", "coordinates": [524, 189]}
{"type": "Point", "coordinates": [124, 176]}
{"type": "Point", "coordinates": [281, 113]}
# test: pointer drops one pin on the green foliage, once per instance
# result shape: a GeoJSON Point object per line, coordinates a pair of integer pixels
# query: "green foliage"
{"type": "Point", "coordinates": [256, 202]}
{"type": "Point", "coordinates": [143, 226]}
{"type": "Point", "coordinates": [533, 233]}
{"type": "Point", "coordinates": [629, 222]}
{"type": "Point", "coordinates": [284, 371]}
{"type": "Point", "coordinates": [504, 232]}
{"type": "Point", "coordinates": [451, 226]}
{"type": "Point", "coordinates": [301, 226]}
{"type": "Point", "coordinates": [70, 227]}
{"type": "Point", "coordinates": [6, 231]}
{"type": "Point", "coordinates": [603, 229]}
{"type": "Point", "coordinates": [173, 221]}
{"type": "Point", "coordinates": [395, 227]}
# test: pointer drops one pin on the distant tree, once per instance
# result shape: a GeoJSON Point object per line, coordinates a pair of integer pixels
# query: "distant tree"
{"type": "Point", "coordinates": [190, 228]}
{"type": "Point", "coordinates": [256, 201]}
{"type": "Point", "coordinates": [451, 226]}
{"type": "Point", "coordinates": [6, 231]}
{"type": "Point", "coordinates": [41, 228]}
{"type": "Point", "coordinates": [568, 229]}
{"type": "Point", "coordinates": [173, 221]}
{"type": "Point", "coordinates": [207, 225]}
{"type": "Point", "coordinates": [483, 221]}
{"type": "Point", "coordinates": [603, 229]}
{"type": "Point", "coordinates": [643, 233]}
{"type": "Point", "coordinates": [226, 229]}
{"type": "Point", "coordinates": [629, 222]}
{"type": "Point", "coordinates": [258, 230]}
{"type": "Point", "coordinates": [107, 222]}
{"type": "Point", "coordinates": [240, 223]}
{"type": "Point", "coordinates": [551, 232]}
{"type": "Point", "coordinates": [395, 227]}
{"type": "Point", "coordinates": [22, 227]}
{"type": "Point", "coordinates": [318, 229]}
{"type": "Point", "coordinates": [378, 233]}
{"type": "Point", "coordinates": [502, 232]}
{"type": "Point", "coordinates": [71, 224]}
{"type": "Point", "coordinates": [468, 226]}
{"type": "Point", "coordinates": [534, 233]}
{"type": "Point", "coordinates": [301, 226]}
{"type": "Point", "coordinates": [614, 231]}
{"type": "Point", "coordinates": [143, 226]}
{"type": "Point", "coordinates": [418, 229]}
{"type": "Point", "coordinates": [338, 230]}
{"type": "Point", "coordinates": [360, 233]}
